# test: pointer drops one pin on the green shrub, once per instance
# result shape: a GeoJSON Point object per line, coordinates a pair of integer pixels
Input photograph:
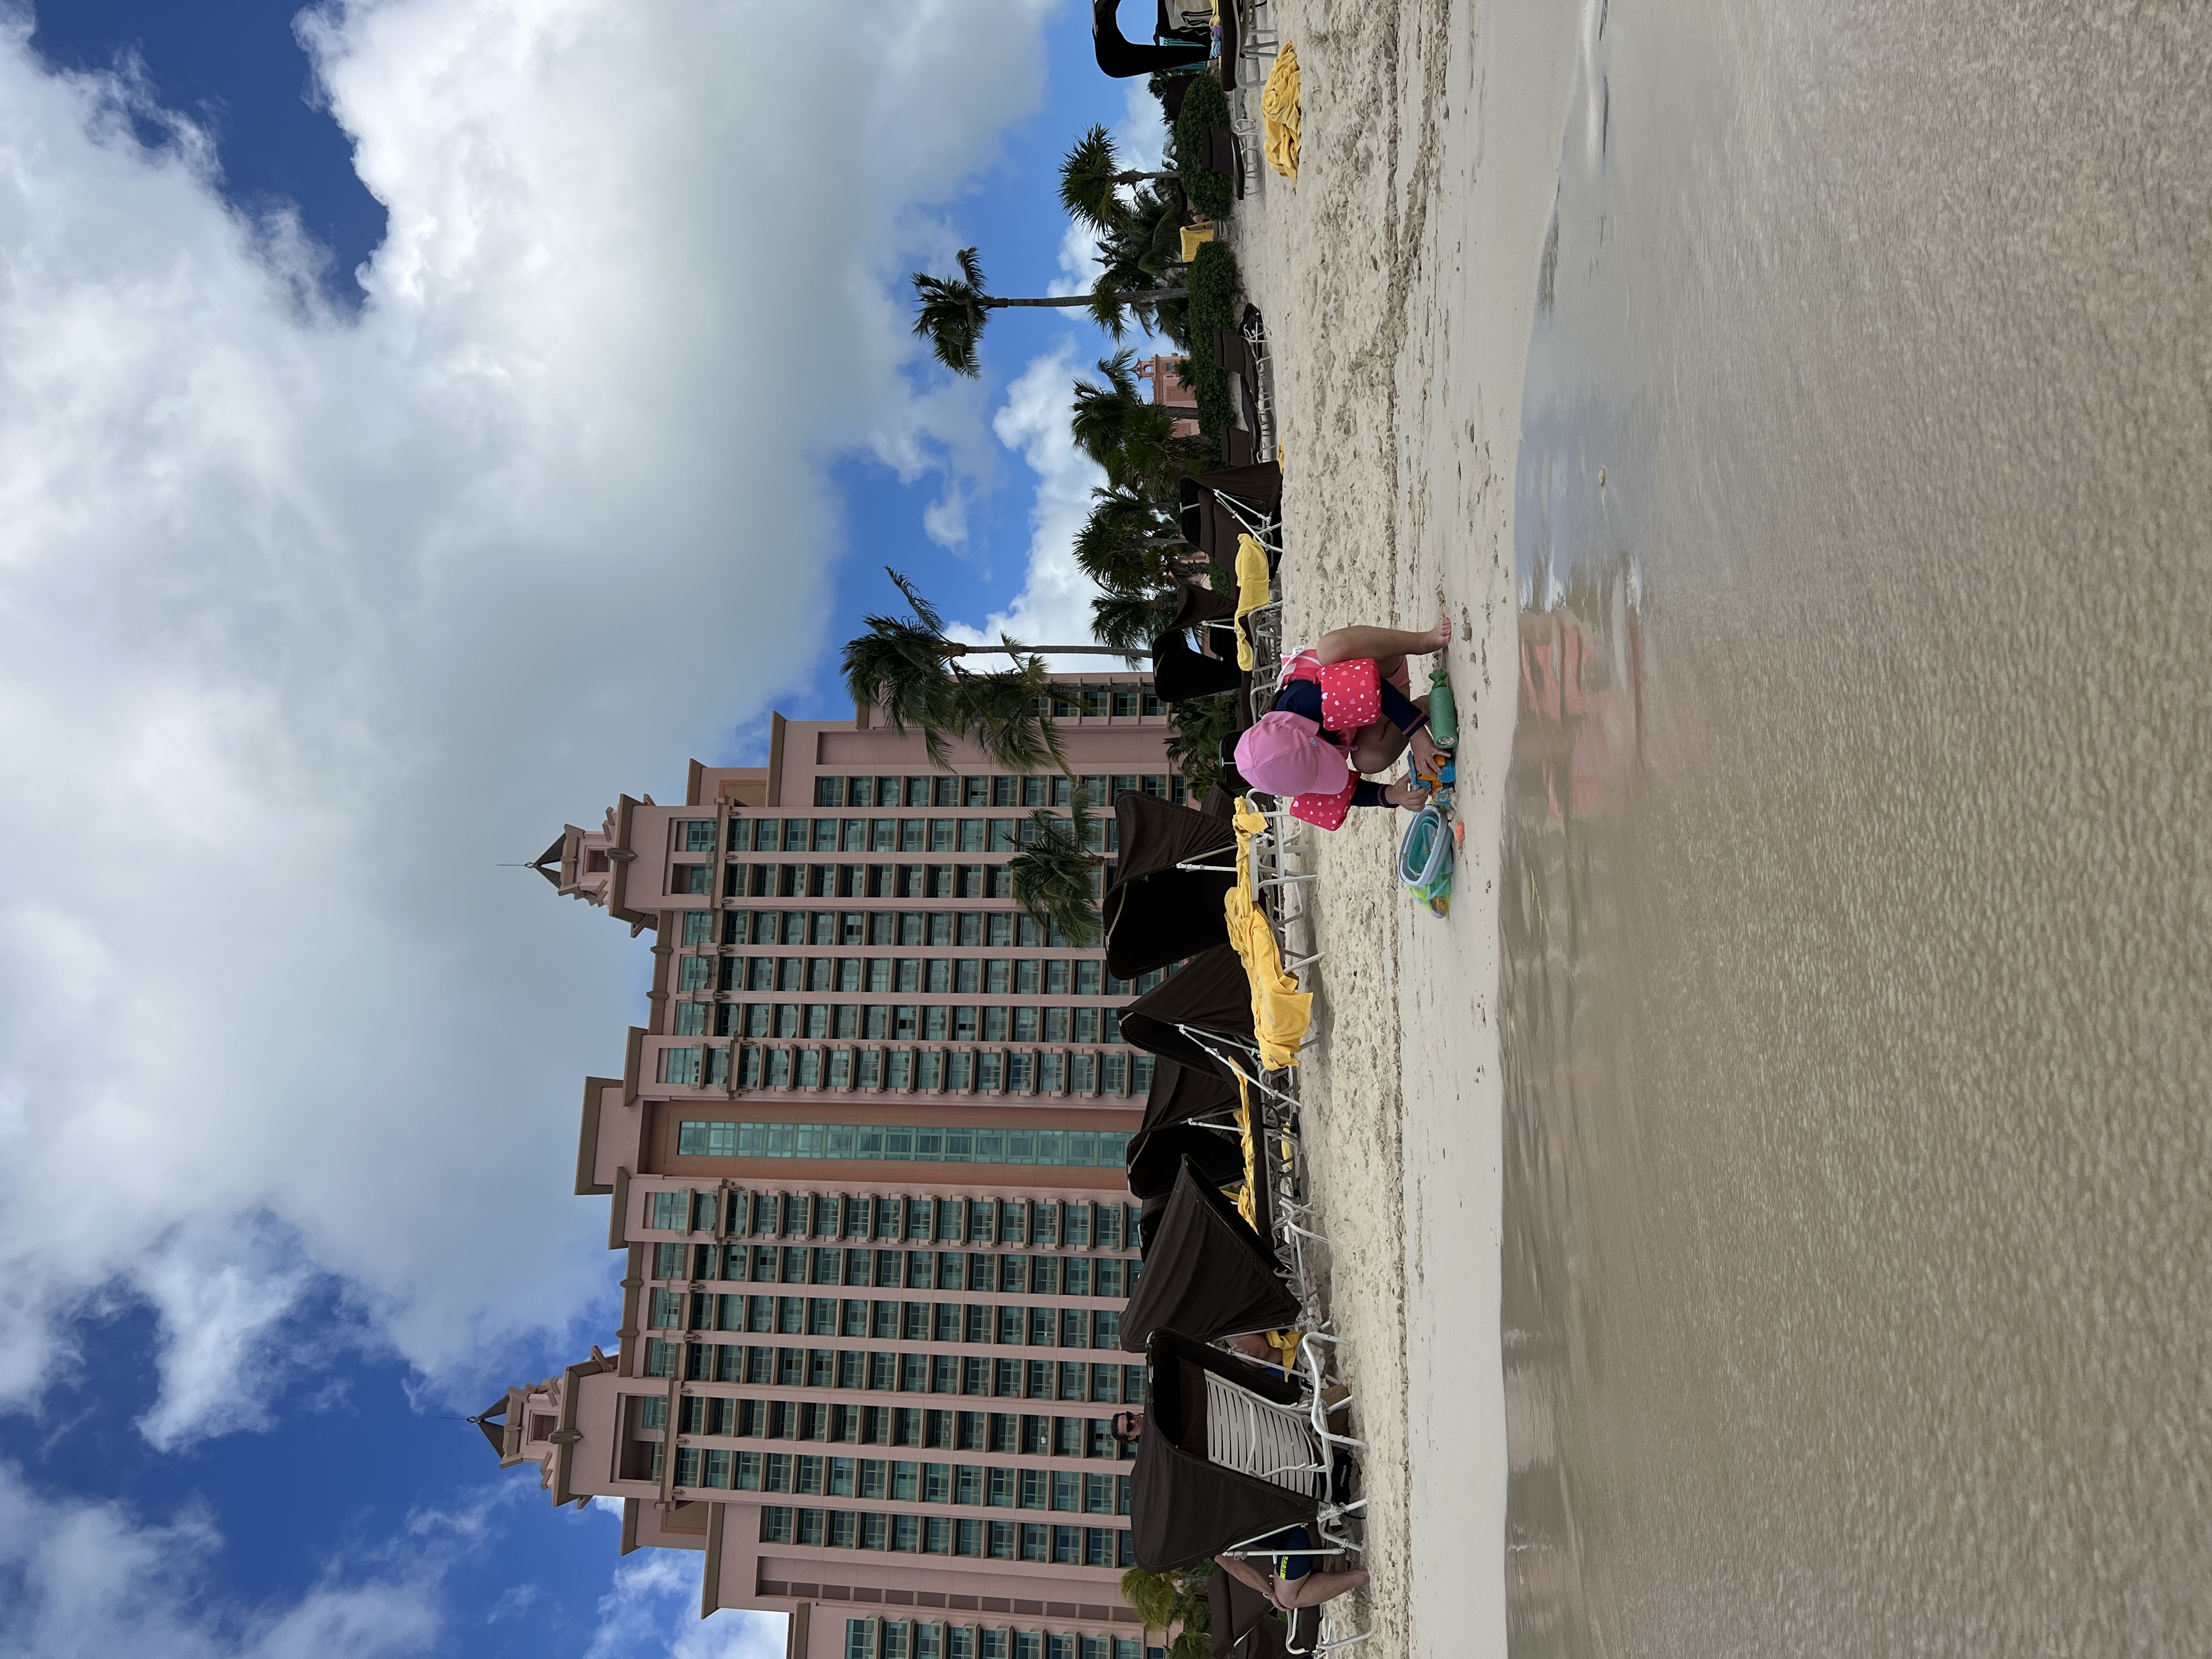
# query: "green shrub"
{"type": "Point", "coordinates": [1214, 303]}
{"type": "Point", "coordinates": [1213, 194]}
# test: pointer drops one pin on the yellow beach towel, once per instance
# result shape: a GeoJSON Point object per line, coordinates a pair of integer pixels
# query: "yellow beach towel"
{"type": "Point", "coordinates": [1192, 237]}
{"type": "Point", "coordinates": [1280, 108]}
{"type": "Point", "coordinates": [1251, 592]}
{"type": "Point", "coordinates": [1280, 1012]}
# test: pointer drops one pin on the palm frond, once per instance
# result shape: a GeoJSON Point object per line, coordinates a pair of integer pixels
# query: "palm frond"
{"type": "Point", "coordinates": [999, 712]}
{"type": "Point", "coordinates": [1088, 187]}
{"type": "Point", "coordinates": [1056, 878]}
{"type": "Point", "coordinates": [951, 314]}
{"type": "Point", "coordinates": [1131, 622]}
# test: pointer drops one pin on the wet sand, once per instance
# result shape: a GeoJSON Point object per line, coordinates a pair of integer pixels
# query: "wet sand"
{"type": "Point", "coordinates": [1794, 1238]}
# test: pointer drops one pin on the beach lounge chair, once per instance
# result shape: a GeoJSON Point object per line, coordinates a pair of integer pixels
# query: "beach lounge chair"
{"type": "Point", "coordinates": [1212, 997]}
{"type": "Point", "coordinates": [1157, 1158]}
{"type": "Point", "coordinates": [1208, 1415]}
{"type": "Point", "coordinates": [1158, 911]}
{"type": "Point", "coordinates": [1124, 59]}
{"type": "Point", "coordinates": [1208, 1274]}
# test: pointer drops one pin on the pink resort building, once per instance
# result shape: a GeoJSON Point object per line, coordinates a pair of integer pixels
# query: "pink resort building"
{"type": "Point", "coordinates": [865, 1165]}
{"type": "Point", "coordinates": [1169, 390]}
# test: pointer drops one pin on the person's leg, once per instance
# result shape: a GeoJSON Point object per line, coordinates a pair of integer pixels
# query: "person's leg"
{"type": "Point", "coordinates": [1389, 647]}
{"type": "Point", "coordinates": [1376, 747]}
{"type": "Point", "coordinates": [1317, 1588]}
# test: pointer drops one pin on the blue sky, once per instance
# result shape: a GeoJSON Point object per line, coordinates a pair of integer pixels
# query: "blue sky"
{"type": "Point", "coordinates": [418, 421]}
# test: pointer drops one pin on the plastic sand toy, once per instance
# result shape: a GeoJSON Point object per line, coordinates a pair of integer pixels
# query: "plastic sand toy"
{"type": "Point", "coordinates": [1426, 854]}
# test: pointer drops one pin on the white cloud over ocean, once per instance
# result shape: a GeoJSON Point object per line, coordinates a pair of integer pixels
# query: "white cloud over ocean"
{"type": "Point", "coordinates": [307, 621]}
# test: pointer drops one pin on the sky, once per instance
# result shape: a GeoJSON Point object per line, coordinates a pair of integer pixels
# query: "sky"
{"type": "Point", "coordinates": [419, 422]}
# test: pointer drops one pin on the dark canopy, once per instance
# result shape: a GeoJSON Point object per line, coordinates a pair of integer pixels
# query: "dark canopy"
{"type": "Point", "coordinates": [1179, 673]}
{"type": "Point", "coordinates": [1211, 993]}
{"type": "Point", "coordinates": [1179, 1094]}
{"type": "Point", "coordinates": [1156, 1159]}
{"type": "Point", "coordinates": [1195, 605]}
{"type": "Point", "coordinates": [1209, 526]}
{"type": "Point", "coordinates": [1182, 1507]}
{"type": "Point", "coordinates": [1247, 1626]}
{"type": "Point", "coordinates": [1155, 914]}
{"type": "Point", "coordinates": [1148, 1222]}
{"type": "Point", "coordinates": [1260, 485]}
{"type": "Point", "coordinates": [1124, 59]}
{"type": "Point", "coordinates": [1207, 1274]}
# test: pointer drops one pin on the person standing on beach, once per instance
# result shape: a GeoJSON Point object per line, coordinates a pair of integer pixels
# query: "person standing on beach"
{"type": "Point", "coordinates": [1343, 710]}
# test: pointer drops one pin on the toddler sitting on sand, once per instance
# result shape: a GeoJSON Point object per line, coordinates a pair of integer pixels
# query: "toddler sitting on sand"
{"type": "Point", "coordinates": [1343, 710]}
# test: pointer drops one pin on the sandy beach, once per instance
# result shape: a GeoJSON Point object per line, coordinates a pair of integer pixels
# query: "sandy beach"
{"type": "Point", "coordinates": [1397, 277]}
{"type": "Point", "coordinates": [1842, 1156]}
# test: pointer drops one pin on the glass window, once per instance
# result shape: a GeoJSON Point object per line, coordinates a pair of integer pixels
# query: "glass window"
{"type": "Point", "coordinates": [829, 791]}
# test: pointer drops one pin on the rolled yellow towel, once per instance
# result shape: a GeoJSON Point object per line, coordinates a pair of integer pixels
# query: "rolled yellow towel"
{"type": "Point", "coordinates": [1280, 109]}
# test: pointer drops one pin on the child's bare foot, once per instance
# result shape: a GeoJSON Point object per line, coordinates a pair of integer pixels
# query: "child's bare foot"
{"type": "Point", "coordinates": [1438, 637]}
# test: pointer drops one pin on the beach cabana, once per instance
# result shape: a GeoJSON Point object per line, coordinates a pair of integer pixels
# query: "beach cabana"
{"type": "Point", "coordinates": [1215, 507]}
{"type": "Point", "coordinates": [1156, 912]}
{"type": "Point", "coordinates": [1211, 996]}
{"type": "Point", "coordinates": [1184, 1503]}
{"type": "Point", "coordinates": [1208, 1274]}
{"type": "Point", "coordinates": [1179, 1094]}
{"type": "Point", "coordinates": [1125, 59]}
{"type": "Point", "coordinates": [1179, 673]}
{"type": "Point", "coordinates": [1157, 1158]}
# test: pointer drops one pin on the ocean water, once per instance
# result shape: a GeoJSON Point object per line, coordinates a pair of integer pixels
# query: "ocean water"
{"type": "Point", "coordinates": [1856, 907]}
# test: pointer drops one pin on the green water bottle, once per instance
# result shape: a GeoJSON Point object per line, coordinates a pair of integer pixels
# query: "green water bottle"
{"type": "Point", "coordinates": [1444, 719]}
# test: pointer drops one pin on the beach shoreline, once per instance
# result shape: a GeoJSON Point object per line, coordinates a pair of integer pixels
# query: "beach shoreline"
{"type": "Point", "coordinates": [1398, 278]}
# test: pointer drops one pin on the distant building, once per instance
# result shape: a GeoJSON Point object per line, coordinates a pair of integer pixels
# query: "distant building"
{"type": "Point", "coordinates": [865, 1160]}
{"type": "Point", "coordinates": [1169, 391]}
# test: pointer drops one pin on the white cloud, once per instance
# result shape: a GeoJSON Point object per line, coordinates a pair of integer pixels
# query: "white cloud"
{"type": "Point", "coordinates": [307, 621]}
{"type": "Point", "coordinates": [221, 1293]}
{"type": "Point", "coordinates": [86, 1580]}
{"type": "Point", "coordinates": [1054, 607]}
{"type": "Point", "coordinates": [654, 1606]}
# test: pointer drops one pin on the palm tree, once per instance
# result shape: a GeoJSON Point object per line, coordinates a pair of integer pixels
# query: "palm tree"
{"type": "Point", "coordinates": [1055, 876]}
{"type": "Point", "coordinates": [954, 310]}
{"type": "Point", "coordinates": [1131, 622]}
{"type": "Point", "coordinates": [1164, 1601]}
{"type": "Point", "coordinates": [907, 667]}
{"type": "Point", "coordinates": [1132, 438]}
{"type": "Point", "coordinates": [1090, 182]}
{"type": "Point", "coordinates": [1197, 729]}
{"type": "Point", "coordinates": [1131, 544]}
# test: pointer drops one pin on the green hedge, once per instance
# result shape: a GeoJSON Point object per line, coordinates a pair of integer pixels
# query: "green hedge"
{"type": "Point", "coordinates": [1214, 297]}
{"type": "Point", "coordinates": [1213, 194]}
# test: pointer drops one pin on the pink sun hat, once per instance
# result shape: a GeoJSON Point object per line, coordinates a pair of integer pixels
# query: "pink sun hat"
{"type": "Point", "coordinates": [1286, 755]}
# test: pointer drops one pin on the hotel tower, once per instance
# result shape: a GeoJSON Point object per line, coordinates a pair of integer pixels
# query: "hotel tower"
{"type": "Point", "coordinates": [865, 1166]}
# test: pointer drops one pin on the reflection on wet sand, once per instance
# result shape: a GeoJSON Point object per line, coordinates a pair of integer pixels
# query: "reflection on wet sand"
{"type": "Point", "coordinates": [1855, 916]}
